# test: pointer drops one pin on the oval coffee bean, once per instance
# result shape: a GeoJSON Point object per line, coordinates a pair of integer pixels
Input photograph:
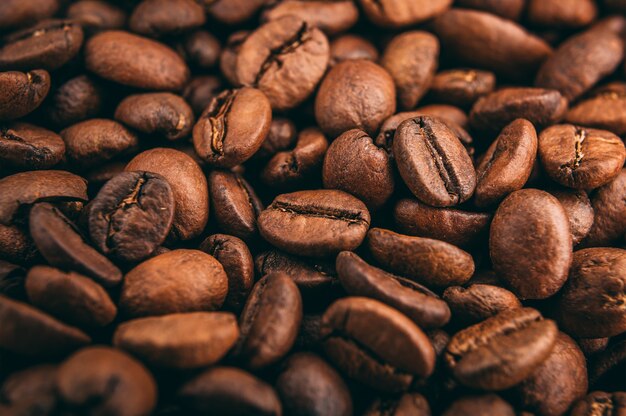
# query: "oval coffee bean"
{"type": "Point", "coordinates": [407, 404]}
{"type": "Point", "coordinates": [605, 109]}
{"type": "Point", "coordinates": [490, 404]}
{"type": "Point", "coordinates": [131, 215]}
{"type": "Point", "coordinates": [315, 223]}
{"type": "Point", "coordinates": [609, 206]}
{"type": "Point", "coordinates": [26, 146]}
{"type": "Point", "coordinates": [427, 261]}
{"type": "Point", "coordinates": [332, 17]}
{"type": "Point", "coordinates": [22, 92]}
{"type": "Point", "coordinates": [228, 58]}
{"type": "Point", "coordinates": [579, 212]}
{"type": "Point", "coordinates": [16, 13]}
{"type": "Point", "coordinates": [201, 90]}
{"type": "Point", "coordinates": [157, 18]}
{"type": "Point", "coordinates": [461, 87]}
{"type": "Point", "coordinates": [232, 12]}
{"type": "Point", "coordinates": [400, 13]}
{"type": "Point", "coordinates": [31, 391]}
{"type": "Point", "coordinates": [581, 158]}
{"type": "Point", "coordinates": [16, 245]}
{"type": "Point", "coordinates": [477, 302]}
{"type": "Point", "coordinates": [201, 48]}
{"type": "Point", "coordinates": [502, 351]}
{"type": "Point", "coordinates": [351, 46]}
{"type": "Point", "coordinates": [600, 402]}
{"type": "Point", "coordinates": [387, 358]}
{"type": "Point", "coordinates": [530, 243]}
{"type": "Point", "coordinates": [96, 15]}
{"type": "Point", "coordinates": [282, 136]}
{"type": "Point", "coordinates": [433, 162]}
{"type": "Point", "coordinates": [176, 281]}
{"type": "Point", "coordinates": [578, 13]}
{"type": "Point", "coordinates": [75, 100]}
{"type": "Point", "coordinates": [418, 303]}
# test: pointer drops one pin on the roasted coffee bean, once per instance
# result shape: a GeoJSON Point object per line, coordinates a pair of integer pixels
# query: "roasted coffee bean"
{"type": "Point", "coordinates": [607, 368]}
{"type": "Point", "coordinates": [461, 87]}
{"type": "Point", "coordinates": [448, 113]}
{"type": "Point", "coordinates": [501, 351]}
{"type": "Point", "coordinates": [228, 58]}
{"type": "Point", "coordinates": [315, 223]}
{"type": "Point", "coordinates": [332, 17]}
{"type": "Point", "coordinates": [418, 303]}
{"type": "Point", "coordinates": [411, 59]}
{"type": "Point", "coordinates": [599, 402]}
{"type": "Point", "coordinates": [285, 59]}
{"type": "Point", "coordinates": [350, 46]}
{"type": "Point", "coordinates": [232, 127]}
{"type": "Point", "coordinates": [26, 146]}
{"type": "Point", "coordinates": [308, 385]}
{"type": "Point", "coordinates": [122, 385]}
{"type": "Point", "coordinates": [387, 358]}
{"type": "Point", "coordinates": [555, 13]}
{"type": "Point", "coordinates": [229, 390]}
{"type": "Point", "coordinates": [581, 158]}
{"type": "Point", "coordinates": [433, 162]}
{"type": "Point", "coordinates": [177, 281]}
{"type": "Point", "coordinates": [354, 164]}
{"type": "Point", "coordinates": [407, 404]}
{"type": "Point", "coordinates": [507, 164]}
{"type": "Point", "coordinates": [12, 278]}
{"type": "Point", "coordinates": [282, 136]}
{"type": "Point", "coordinates": [48, 45]}
{"type": "Point", "coordinates": [605, 109]}
{"type": "Point", "coordinates": [201, 90]}
{"type": "Point", "coordinates": [509, 9]}
{"type": "Point", "coordinates": [75, 100]}
{"type": "Point", "coordinates": [96, 15]}
{"type": "Point", "coordinates": [400, 13]}
{"type": "Point", "coordinates": [135, 61]}
{"type": "Point", "coordinates": [427, 261]}
{"type": "Point", "coordinates": [131, 215]}
{"type": "Point", "coordinates": [31, 391]}
{"type": "Point", "coordinates": [235, 258]}
{"type": "Point", "coordinates": [16, 245]}
{"type": "Point", "coordinates": [62, 245]}
{"type": "Point", "coordinates": [609, 206]}
{"type": "Point", "coordinates": [490, 404]}
{"type": "Point", "coordinates": [591, 346]}
{"type": "Point", "coordinates": [530, 243]}
{"type": "Point", "coordinates": [157, 18]}
{"type": "Point", "coordinates": [163, 114]}
{"type": "Point", "coordinates": [22, 92]}
{"type": "Point", "coordinates": [16, 13]}
{"type": "Point", "coordinates": [579, 212]}
{"type": "Point", "coordinates": [478, 302]}
{"type": "Point", "coordinates": [201, 48]}
{"type": "Point", "coordinates": [354, 94]}
{"type": "Point", "coordinates": [232, 12]}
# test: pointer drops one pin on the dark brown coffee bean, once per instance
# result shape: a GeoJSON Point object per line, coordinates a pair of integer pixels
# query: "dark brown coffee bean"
{"type": "Point", "coordinates": [308, 385]}
{"type": "Point", "coordinates": [96, 15]}
{"type": "Point", "coordinates": [490, 404]}
{"type": "Point", "coordinates": [70, 297]}
{"type": "Point", "coordinates": [31, 391]}
{"type": "Point", "coordinates": [135, 61]}
{"type": "Point", "coordinates": [501, 351]}
{"type": "Point", "coordinates": [447, 224]}
{"type": "Point", "coordinates": [22, 92]}
{"type": "Point", "coordinates": [232, 12]}
{"type": "Point", "coordinates": [400, 13]}
{"type": "Point", "coordinates": [30, 332]}
{"type": "Point", "coordinates": [315, 223]}
{"type": "Point", "coordinates": [478, 302]}
{"type": "Point", "coordinates": [201, 90]}
{"type": "Point", "coordinates": [555, 13]}
{"type": "Point", "coordinates": [75, 100]}
{"type": "Point", "coordinates": [188, 184]}
{"type": "Point", "coordinates": [433, 162]}
{"type": "Point", "coordinates": [16, 245]}
{"type": "Point", "coordinates": [162, 114]}
{"type": "Point", "coordinates": [579, 212]}
{"type": "Point", "coordinates": [181, 340]}
{"type": "Point", "coordinates": [486, 41]}
{"type": "Point", "coordinates": [12, 279]}
{"type": "Point", "coordinates": [177, 281]}
{"type": "Point", "coordinates": [228, 58]}
{"type": "Point", "coordinates": [26, 146]}
{"type": "Point", "coordinates": [354, 164]}
{"type": "Point", "coordinates": [285, 58]}
{"type": "Point", "coordinates": [61, 244]}
{"type": "Point", "coordinates": [605, 109]}
{"type": "Point", "coordinates": [580, 62]}
{"type": "Point", "coordinates": [461, 87]}
{"type": "Point", "coordinates": [332, 17]}
{"type": "Point", "coordinates": [351, 46]}
{"type": "Point", "coordinates": [387, 358]}
{"type": "Point", "coordinates": [47, 45]}
{"type": "Point", "coordinates": [235, 257]}
{"type": "Point", "coordinates": [509, 9]}
{"type": "Point", "coordinates": [121, 384]}
{"type": "Point", "coordinates": [229, 390]}
{"type": "Point", "coordinates": [411, 59]}
{"type": "Point", "coordinates": [202, 49]}
{"type": "Point", "coordinates": [131, 215]}
{"type": "Point", "coordinates": [16, 13]}
{"type": "Point", "coordinates": [408, 404]}
{"type": "Point", "coordinates": [609, 206]}
{"type": "Point", "coordinates": [599, 402]}
{"type": "Point", "coordinates": [355, 94]}
{"type": "Point", "coordinates": [581, 158]}
{"type": "Point", "coordinates": [592, 346]}
{"type": "Point", "coordinates": [427, 261]}
{"type": "Point", "coordinates": [418, 303]}
{"type": "Point", "coordinates": [507, 164]}
{"type": "Point", "coordinates": [274, 298]}
{"type": "Point", "coordinates": [282, 136]}
{"type": "Point", "coordinates": [157, 18]}
{"type": "Point", "coordinates": [607, 369]}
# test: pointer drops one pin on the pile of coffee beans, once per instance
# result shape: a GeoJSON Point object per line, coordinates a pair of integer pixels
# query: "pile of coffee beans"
{"type": "Point", "coordinates": [312, 207]}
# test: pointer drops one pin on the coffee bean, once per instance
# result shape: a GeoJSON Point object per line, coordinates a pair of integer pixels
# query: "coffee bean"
{"type": "Point", "coordinates": [400, 13]}
{"type": "Point", "coordinates": [12, 279]}
{"type": "Point", "coordinates": [315, 223]}
{"type": "Point", "coordinates": [75, 100]}
{"type": "Point", "coordinates": [157, 18]}
{"type": "Point", "coordinates": [581, 158]}
{"type": "Point", "coordinates": [554, 13]}
{"type": "Point", "coordinates": [409, 403]}
{"type": "Point", "coordinates": [228, 59]}
{"type": "Point", "coordinates": [96, 15]}
{"type": "Point", "coordinates": [461, 87]}
{"type": "Point", "coordinates": [16, 245]}
{"type": "Point", "coordinates": [201, 90]}
{"type": "Point", "coordinates": [600, 402]}
{"type": "Point", "coordinates": [282, 136]}
{"type": "Point", "coordinates": [350, 46]}
{"type": "Point", "coordinates": [332, 17]}
{"type": "Point", "coordinates": [609, 206]}
{"type": "Point", "coordinates": [433, 162]}
{"type": "Point", "coordinates": [285, 59]}
{"type": "Point", "coordinates": [201, 48]}
{"type": "Point", "coordinates": [15, 13]}
{"type": "Point", "coordinates": [579, 212]}
{"type": "Point", "coordinates": [509, 9]}
{"type": "Point", "coordinates": [592, 346]}
{"type": "Point", "coordinates": [232, 12]}
{"type": "Point", "coordinates": [31, 391]}
{"type": "Point", "coordinates": [478, 302]}
{"type": "Point", "coordinates": [26, 146]}
{"type": "Point", "coordinates": [606, 370]}
{"type": "Point", "coordinates": [605, 109]}
{"type": "Point", "coordinates": [22, 92]}
{"type": "Point", "coordinates": [471, 405]}
{"type": "Point", "coordinates": [501, 351]}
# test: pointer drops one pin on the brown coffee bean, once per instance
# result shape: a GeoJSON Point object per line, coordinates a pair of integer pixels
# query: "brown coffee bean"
{"type": "Point", "coordinates": [228, 58]}
{"type": "Point", "coordinates": [201, 48]}
{"type": "Point", "coordinates": [135, 61]}
{"type": "Point", "coordinates": [62, 245]}
{"type": "Point", "coordinates": [605, 109]}
{"type": "Point", "coordinates": [579, 212]}
{"type": "Point", "coordinates": [501, 351]}
{"type": "Point", "coordinates": [22, 92]}
{"type": "Point", "coordinates": [177, 281]}
{"type": "Point", "coordinates": [507, 164]}
{"type": "Point", "coordinates": [282, 136]}
{"type": "Point", "coordinates": [354, 94]}
{"type": "Point", "coordinates": [581, 158]}
{"type": "Point", "coordinates": [580, 62]}
{"type": "Point", "coordinates": [332, 17]}
{"type": "Point", "coordinates": [478, 302]}
{"type": "Point", "coordinates": [162, 114]}
{"type": "Point", "coordinates": [12, 279]}
{"type": "Point", "coordinates": [201, 90]}
{"type": "Point", "coordinates": [351, 46]}
{"type": "Point", "coordinates": [26, 146]}
{"type": "Point", "coordinates": [96, 15]}
{"type": "Point", "coordinates": [607, 369]}
{"type": "Point", "coordinates": [418, 303]}
{"type": "Point", "coordinates": [408, 404]}
{"type": "Point", "coordinates": [188, 184]}
{"type": "Point", "coordinates": [509, 9]}
{"type": "Point", "coordinates": [70, 297]}
{"type": "Point", "coordinates": [609, 206]}
{"type": "Point", "coordinates": [121, 384]}
{"type": "Point", "coordinates": [555, 13]}
{"type": "Point", "coordinates": [75, 100]}
{"type": "Point", "coordinates": [599, 402]}
{"type": "Point", "coordinates": [181, 340]}
{"type": "Point", "coordinates": [16, 13]}
{"type": "Point", "coordinates": [315, 223]}
{"type": "Point", "coordinates": [433, 162]}
{"type": "Point", "coordinates": [490, 404]}
{"type": "Point", "coordinates": [592, 346]}
{"type": "Point", "coordinates": [274, 298]}
{"type": "Point", "coordinates": [400, 13]}
{"type": "Point", "coordinates": [16, 245]}
{"type": "Point", "coordinates": [232, 12]}
{"type": "Point", "coordinates": [461, 87]}
{"type": "Point", "coordinates": [157, 18]}
{"type": "Point", "coordinates": [387, 358]}
{"type": "Point", "coordinates": [47, 45]}
{"type": "Point", "coordinates": [285, 59]}
{"type": "Point", "coordinates": [229, 390]}
{"type": "Point", "coordinates": [427, 261]}
{"type": "Point", "coordinates": [30, 332]}
{"type": "Point", "coordinates": [31, 391]}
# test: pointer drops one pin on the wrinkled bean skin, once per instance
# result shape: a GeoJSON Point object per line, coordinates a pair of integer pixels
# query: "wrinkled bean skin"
{"type": "Point", "coordinates": [27, 146]}
{"type": "Point", "coordinates": [22, 92]}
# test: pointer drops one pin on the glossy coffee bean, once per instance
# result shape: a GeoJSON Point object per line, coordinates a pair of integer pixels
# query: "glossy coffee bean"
{"type": "Point", "coordinates": [477, 302]}
{"type": "Point", "coordinates": [157, 18]}
{"type": "Point", "coordinates": [96, 15]}
{"type": "Point", "coordinates": [605, 109]}
{"type": "Point", "coordinates": [26, 146]}
{"type": "Point", "coordinates": [22, 92]}
{"type": "Point", "coordinates": [461, 87]}
{"type": "Point", "coordinates": [579, 212]}
{"type": "Point", "coordinates": [599, 401]}
{"type": "Point", "coordinates": [471, 405]}
{"type": "Point", "coordinates": [400, 13]}
{"type": "Point", "coordinates": [331, 17]}
{"type": "Point", "coordinates": [351, 46]}
{"type": "Point", "coordinates": [609, 206]}
{"type": "Point", "coordinates": [75, 100]}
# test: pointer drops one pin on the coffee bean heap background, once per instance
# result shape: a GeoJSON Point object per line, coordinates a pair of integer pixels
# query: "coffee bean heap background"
{"type": "Point", "coordinates": [312, 207]}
